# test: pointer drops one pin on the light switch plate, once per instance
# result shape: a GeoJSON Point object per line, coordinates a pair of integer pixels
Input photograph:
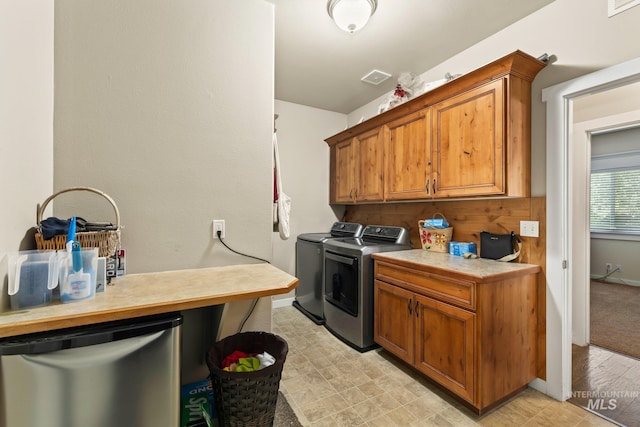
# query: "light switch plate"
{"type": "Point", "coordinates": [529, 229]}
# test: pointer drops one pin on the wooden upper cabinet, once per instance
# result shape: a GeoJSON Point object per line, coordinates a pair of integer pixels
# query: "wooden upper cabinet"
{"type": "Point", "coordinates": [358, 168]}
{"type": "Point", "coordinates": [344, 181]}
{"type": "Point", "coordinates": [470, 137]}
{"type": "Point", "coordinates": [468, 143]}
{"type": "Point", "coordinates": [408, 158]}
{"type": "Point", "coordinates": [369, 165]}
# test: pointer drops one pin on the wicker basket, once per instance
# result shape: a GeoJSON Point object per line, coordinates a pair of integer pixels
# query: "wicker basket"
{"type": "Point", "coordinates": [247, 398]}
{"type": "Point", "coordinates": [106, 241]}
{"type": "Point", "coordinates": [434, 239]}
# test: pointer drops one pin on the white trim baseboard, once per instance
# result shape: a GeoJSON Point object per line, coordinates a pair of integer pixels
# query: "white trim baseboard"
{"type": "Point", "coordinates": [281, 302]}
{"type": "Point", "coordinates": [539, 384]}
{"type": "Point", "coordinates": [616, 280]}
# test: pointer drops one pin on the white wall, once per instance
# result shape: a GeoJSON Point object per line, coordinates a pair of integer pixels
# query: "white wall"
{"type": "Point", "coordinates": [26, 119]}
{"type": "Point", "coordinates": [304, 162]}
{"type": "Point", "coordinates": [167, 107]}
{"type": "Point", "coordinates": [577, 32]}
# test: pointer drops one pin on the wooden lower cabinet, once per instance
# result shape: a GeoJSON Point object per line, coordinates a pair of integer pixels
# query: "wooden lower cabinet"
{"type": "Point", "coordinates": [482, 351]}
{"type": "Point", "coordinates": [444, 348]}
{"type": "Point", "coordinates": [393, 321]}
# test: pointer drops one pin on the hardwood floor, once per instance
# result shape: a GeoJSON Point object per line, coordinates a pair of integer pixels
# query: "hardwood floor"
{"type": "Point", "coordinates": [607, 383]}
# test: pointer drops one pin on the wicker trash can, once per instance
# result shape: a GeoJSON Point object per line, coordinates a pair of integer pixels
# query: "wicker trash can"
{"type": "Point", "coordinates": [247, 398]}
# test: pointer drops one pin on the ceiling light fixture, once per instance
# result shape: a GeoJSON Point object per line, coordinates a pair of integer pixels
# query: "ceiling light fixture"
{"type": "Point", "coordinates": [351, 15]}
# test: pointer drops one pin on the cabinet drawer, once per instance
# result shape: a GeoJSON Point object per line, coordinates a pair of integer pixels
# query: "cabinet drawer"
{"type": "Point", "coordinates": [458, 292]}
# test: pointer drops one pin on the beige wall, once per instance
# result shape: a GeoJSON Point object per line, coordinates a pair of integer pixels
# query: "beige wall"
{"type": "Point", "coordinates": [304, 161]}
{"type": "Point", "coordinates": [26, 118]}
{"type": "Point", "coordinates": [167, 107]}
{"type": "Point", "coordinates": [577, 32]}
{"type": "Point", "coordinates": [611, 102]}
{"type": "Point", "coordinates": [622, 252]}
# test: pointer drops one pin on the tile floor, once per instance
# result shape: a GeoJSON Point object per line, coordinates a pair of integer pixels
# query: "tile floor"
{"type": "Point", "coordinates": [328, 383]}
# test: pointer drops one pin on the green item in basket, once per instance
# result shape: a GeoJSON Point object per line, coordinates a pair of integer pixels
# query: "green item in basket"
{"type": "Point", "coordinates": [248, 364]}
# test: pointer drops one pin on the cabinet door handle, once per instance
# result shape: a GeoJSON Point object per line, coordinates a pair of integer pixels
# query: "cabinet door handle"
{"type": "Point", "coordinates": [434, 186]}
{"type": "Point", "coordinates": [416, 309]}
{"type": "Point", "coordinates": [426, 186]}
{"type": "Point", "coordinates": [351, 194]}
{"type": "Point", "coordinates": [409, 307]}
{"type": "Point", "coordinates": [356, 193]}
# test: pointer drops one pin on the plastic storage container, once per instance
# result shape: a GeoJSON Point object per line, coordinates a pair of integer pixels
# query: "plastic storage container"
{"type": "Point", "coordinates": [32, 277]}
{"type": "Point", "coordinates": [78, 271]}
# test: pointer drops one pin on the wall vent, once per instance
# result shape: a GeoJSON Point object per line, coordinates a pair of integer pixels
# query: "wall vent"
{"type": "Point", "coordinates": [375, 77]}
{"type": "Point", "coordinates": [617, 6]}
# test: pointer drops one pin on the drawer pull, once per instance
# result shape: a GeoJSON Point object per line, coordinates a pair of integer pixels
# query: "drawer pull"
{"type": "Point", "coordinates": [409, 308]}
{"type": "Point", "coordinates": [416, 309]}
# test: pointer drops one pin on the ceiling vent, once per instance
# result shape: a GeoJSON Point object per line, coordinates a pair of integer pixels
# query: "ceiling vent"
{"type": "Point", "coordinates": [617, 6]}
{"type": "Point", "coordinates": [376, 77]}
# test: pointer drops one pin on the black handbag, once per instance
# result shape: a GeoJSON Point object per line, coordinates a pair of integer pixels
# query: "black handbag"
{"type": "Point", "coordinates": [501, 247]}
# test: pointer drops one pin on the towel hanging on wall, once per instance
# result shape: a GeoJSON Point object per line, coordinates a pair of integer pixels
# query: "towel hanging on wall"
{"type": "Point", "coordinates": [282, 202]}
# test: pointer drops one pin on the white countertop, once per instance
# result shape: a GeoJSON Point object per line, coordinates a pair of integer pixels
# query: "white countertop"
{"type": "Point", "coordinates": [479, 269]}
{"type": "Point", "coordinates": [137, 295]}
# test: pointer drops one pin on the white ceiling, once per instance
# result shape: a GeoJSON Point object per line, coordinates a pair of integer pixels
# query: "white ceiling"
{"type": "Point", "coordinates": [319, 65]}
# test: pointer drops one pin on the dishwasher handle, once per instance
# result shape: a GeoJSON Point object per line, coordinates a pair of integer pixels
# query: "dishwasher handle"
{"type": "Point", "coordinates": [78, 358]}
{"type": "Point", "coordinates": [82, 336]}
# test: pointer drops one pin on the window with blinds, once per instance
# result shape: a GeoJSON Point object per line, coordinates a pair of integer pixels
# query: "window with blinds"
{"type": "Point", "coordinates": [615, 201]}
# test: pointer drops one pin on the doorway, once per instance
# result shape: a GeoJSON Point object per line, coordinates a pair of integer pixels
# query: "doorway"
{"type": "Point", "coordinates": [565, 255]}
{"type": "Point", "coordinates": [603, 381]}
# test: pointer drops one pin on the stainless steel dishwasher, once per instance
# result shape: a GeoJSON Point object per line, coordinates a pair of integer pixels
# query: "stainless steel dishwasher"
{"type": "Point", "coordinates": [124, 373]}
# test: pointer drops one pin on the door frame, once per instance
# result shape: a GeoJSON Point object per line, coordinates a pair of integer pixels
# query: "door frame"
{"type": "Point", "coordinates": [561, 264]}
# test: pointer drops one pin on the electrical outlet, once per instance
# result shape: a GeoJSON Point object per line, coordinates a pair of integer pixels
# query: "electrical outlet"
{"type": "Point", "coordinates": [529, 229]}
{"type": "Point", "coordinates": [609, 267]}
{"type": "Point", "coordinates": [218, 225]}
{"type": "Point", "coordinates": [619, 268]}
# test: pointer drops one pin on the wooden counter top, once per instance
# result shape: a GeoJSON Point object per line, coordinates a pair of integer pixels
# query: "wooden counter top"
{"type": "Point", "coordinates": [479, 270]}
{"type": "Point", "coordinates": [137, 295]}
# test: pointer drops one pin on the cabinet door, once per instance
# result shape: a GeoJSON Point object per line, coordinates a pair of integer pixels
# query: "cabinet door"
{"type": "Point", "coordinates": [468, 143]}
{"type": "Point", "coordinates": [369, 165]}
{"type": "Point", "coordinates": [344, 172]}
{"type": "Point", "coordinates": [393, 320]}
{"type": "Point", "coordinates": [408, 158]}
{"type": "Point", "coordinates": [445, 345]}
